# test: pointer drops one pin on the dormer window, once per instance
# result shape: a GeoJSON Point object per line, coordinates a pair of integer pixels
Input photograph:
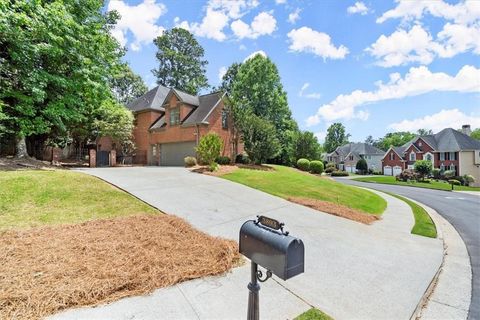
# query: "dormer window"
{"type": "Point", "coordinates": [175, 116]}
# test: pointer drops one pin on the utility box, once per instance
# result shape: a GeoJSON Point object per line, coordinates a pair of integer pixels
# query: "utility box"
{"type": "Point", "coordinates": [264, 243]}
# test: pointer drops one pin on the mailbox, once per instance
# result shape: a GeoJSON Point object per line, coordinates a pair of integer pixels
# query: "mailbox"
{"type": "Point", "coordinates": [266, 244]}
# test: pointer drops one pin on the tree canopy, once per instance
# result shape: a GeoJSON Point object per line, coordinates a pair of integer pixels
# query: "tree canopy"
{"type": "Point", "coordinates": [475, 133]}
{"type": "Point", "coordinates": [181, 63]}
{"type": "Point", "coordinates": [335, 137]}
{"type": "Point", "coordinates": [395, 139]}
{"type": "Point", "coordinates": [126, 85]}
{"type": "Point", "coordinates": [306, 146]}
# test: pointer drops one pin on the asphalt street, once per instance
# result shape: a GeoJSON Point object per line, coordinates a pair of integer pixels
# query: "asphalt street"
{"type": "Point", "coordinates": [461, 210]}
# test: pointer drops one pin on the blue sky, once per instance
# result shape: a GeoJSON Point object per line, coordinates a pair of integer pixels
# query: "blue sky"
{"type": "Point", "coordinates": [375, 66]}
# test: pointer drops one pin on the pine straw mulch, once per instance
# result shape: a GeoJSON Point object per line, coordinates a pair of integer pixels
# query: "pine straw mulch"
{"type": "Point", "coordinates": [45, 270]}
{"type": "Point", "coordinates": [336, 209]}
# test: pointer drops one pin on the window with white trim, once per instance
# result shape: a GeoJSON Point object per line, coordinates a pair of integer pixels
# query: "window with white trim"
{"type": "Point", "coordinates": [442, 156]}
{"type": "Point", "coordinates": [452, 156]}
{"type": "Point", "coordinates": [392, 156]}
{"type": "Point", "coordinates": [412, 156]}
{"type": "Point", "coordinates": [175, 116]}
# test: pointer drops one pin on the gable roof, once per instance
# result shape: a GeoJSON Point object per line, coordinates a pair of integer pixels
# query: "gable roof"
{"type": "Point", "coordinates": [186, 97]}
{"type": "Point", "coordinates": [447, 140]}
{"type": "Point", "coordinates": [152, 100]}
{"type": "Point", "coordinates": [206, 104]}
{"type": "Point", "coordinates": [357, 148]}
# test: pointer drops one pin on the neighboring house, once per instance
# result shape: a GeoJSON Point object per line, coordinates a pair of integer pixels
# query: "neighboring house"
{"type": "Point", "coordinates": [347, 156]}
{"type": "Point", "coordinates": [169, 124]}
{"type": "Point", "coordinates": [448, 149]}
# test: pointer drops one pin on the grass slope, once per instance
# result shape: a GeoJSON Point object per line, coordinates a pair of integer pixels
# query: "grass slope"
{"type": "Point", "coordinates": [313, 314]}
{"type": "Point", "coordinates": [287, 182]}
{"type": "Point", "coordinates": [424, 225]}
{"type": "Point", "coordinates": [440, 185]}
{"type": "Point", "coordinates": [34, 198]}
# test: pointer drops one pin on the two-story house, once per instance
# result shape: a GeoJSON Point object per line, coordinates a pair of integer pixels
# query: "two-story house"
{"type": "Point", "coordinates": [448, 149]}
{"type": "Point", "coordinates": [169, 124]}
{"type": "Point", "coordinates": [347, 156]}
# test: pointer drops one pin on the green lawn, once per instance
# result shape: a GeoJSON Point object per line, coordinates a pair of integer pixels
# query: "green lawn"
{"type": "Point", "coordinates": [440, 185]}
{"type": "Point", "coordinates": [424, 225]}
{"type": "Point", "coordinates": [34, 198]}
{"type": "Point", "coordinates": [287, 182]}
{"type": "Point", "coordinates": [313, 314]}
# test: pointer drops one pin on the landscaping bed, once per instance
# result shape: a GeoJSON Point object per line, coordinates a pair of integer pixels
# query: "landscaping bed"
{"type": "Point", "coordinates": [13, 164]}
{"type": "Point", "coordinates": [437, 185]}
{"type": "Point", "coordinates": [45, 270]}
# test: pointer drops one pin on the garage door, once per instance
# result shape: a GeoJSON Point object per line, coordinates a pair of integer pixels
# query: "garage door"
{"type": "Point", "coordinates": [172, 154]}
{"type": "Point", "coordinates": [387, 170]}
{"type": "Point", "coordinates": [350, 169]}
{"type": "Point", "coordinates": [397, 170]}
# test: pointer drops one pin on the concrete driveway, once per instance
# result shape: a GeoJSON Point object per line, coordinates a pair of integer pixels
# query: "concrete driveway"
{"type": "Point", "coordinates": [353, 271]}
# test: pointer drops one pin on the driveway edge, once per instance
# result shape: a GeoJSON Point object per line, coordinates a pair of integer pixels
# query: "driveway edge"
{"type": "Point", "coordinates": [449, 293]}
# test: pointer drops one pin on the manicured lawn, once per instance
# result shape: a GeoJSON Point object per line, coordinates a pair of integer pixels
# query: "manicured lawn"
{"type": "Point", "coordinates": [34, 198]}
{"type": "Point", "coordinates": [424, 225]}
{"type": "Point", "coordinates": [287, 182]}
{"type": "Point", "coordinates": [440, 185]}
{"type": "Point", "coordinates": [313, 314]}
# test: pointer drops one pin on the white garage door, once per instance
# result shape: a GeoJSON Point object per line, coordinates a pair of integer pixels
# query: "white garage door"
{"type": "Point", "coordinates": [350, 169]}
{"type": "Point", "coordinates": [387, 170]}
{"type": "Point", "coordinates": [397, 170]}
{"type": "Point", "coordinates": [173, 154]}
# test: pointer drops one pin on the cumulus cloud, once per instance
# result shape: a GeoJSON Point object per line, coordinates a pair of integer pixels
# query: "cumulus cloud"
{"type": "Point", "coordinates": [263, 24]}
{"type": "Point", "coordinates": [280, 1]}
{"type": "Point", "coordinates": [417, 81]}
{"type": "Point", "coordinates": [446, 118]}
{"type": "Point", "coordinates": [464, 12]}
{"type": "Point", "coordinates": [140, 20]}
{"type": "Point", "coordinates": [253, 54]}
{"type": "Point", "coordinates": [358, 7]}
{"type": "Point", "coordinates": [294, 16]}
{"type": "Point", "coordinates": [308, 40]}
{"type": "Point", "coordinates": [221, 72]}
{"type": "Point", "coordinates": [321, 136]}
{"type": "Point", "coordinates": [312, 95]}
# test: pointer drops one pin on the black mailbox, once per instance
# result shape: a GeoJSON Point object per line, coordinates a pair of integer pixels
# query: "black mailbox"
{"type": "Point", "coordinates": [264, 242]}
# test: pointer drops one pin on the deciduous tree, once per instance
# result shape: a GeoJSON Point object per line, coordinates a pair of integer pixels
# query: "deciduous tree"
{"type": "Point", "coordinates": [335, 137]}
{"type": "Point", "coordinates": [126, 85]}
{"type": "Point", "coordinates": [260, 139]}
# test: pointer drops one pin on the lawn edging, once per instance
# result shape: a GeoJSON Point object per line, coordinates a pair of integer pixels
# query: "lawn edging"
{"type": "Point", "coordinates": [450, 290]}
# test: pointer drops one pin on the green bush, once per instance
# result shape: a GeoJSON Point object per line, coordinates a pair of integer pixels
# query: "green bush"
{"type": "Point", "coordinates": [190, 161]}
{"type": "Point", "coordinates": [468, 179]}
{"type": "Point", "coordinates": [426, 181]}
{"type": "Point", "coordinates": [242, 158]}
{"type": "Point", "coordinates": [330, 169]}
{"type": "Point", "coordinates": [339, 174]}
{"type": "Point", "coordinates": [223, 160]}
{"type": "Point", "coordinates": [376, 172]}
{"type": "Point", "coordinates": [213, 166]}
{"type": "Point", "coordinates": [423, 167]}
{"type": "Point", "coordinates": [448, 174]}
{"type": "Point", "coordinates": [454, 182]}
{"type": "Point", "coordinates": [330, 165]}
{"type": "Point", "coordinates": [316, 166]}
{"type": "Point", "coordinates": [362, 166]}
{"type": "Point", "coordinates": [303, 164]}
{"type": "Point", "coordinates": [209, 148]}
{"type": "Point", "coordinates": [436, 172]}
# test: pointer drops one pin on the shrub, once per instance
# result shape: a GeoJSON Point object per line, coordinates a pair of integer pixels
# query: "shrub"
{"type": "Point", "coordinates": [209, 147]}
{"type": "Point", "coordinates": [303, 164]}
{"type": "Point", "coordinates": [330, 169]}
{"type": "Point", "coordinates": [223, 160]}
{"type": "Point", "coordinates": [213, 166]}
{"type": "Point", "coordinates": [426, 181]}
{"type": "Point", "coordinates": [468, 179]}
{"type": "Point", "coordinates": [407, 175]}
{"type": "Point", "coordinates": [423, 167]}
{"type": "Point", "coordinates": [242, 158]}
{"type": "Point", "coordinates": [448, 174]}
{"type": "Point", "coordinates": [436, 172]}
{"type": "Point", "coordinates": [316, 167]}
{"type": "Point", "coordinates": [260, 139]}
{"type": "Point", "coordinates": [454, 182]}
{"type": "Point", "coordinates": [362, 166]}
{"type": "Point", "coordinates": [190, 161]}
{"type": "Point", "coordinates": [330, 165]}
{"type": "Point", "coordinates": [377, 173]}
{"type": "Point", "coordinates": [339, 174]}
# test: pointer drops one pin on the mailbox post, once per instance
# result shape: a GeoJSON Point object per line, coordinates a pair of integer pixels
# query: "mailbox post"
{"type": "Point", "coordinates": [265, 243]}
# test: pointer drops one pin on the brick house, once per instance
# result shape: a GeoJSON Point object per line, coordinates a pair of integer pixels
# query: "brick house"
{"type": "Point", "coordinates": [169, 124]}
{"type": "Point", "coordinates": [347, 156]}
{"type": "Point", "coordinates": [448, 149]}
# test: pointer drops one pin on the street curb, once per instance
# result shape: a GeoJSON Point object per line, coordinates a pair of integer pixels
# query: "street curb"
{"type": "Point", "coordinates": [440, 299]}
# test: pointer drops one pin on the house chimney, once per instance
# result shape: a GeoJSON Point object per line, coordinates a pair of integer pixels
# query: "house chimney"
{"type": "Point", "coordinates": [466, 129]}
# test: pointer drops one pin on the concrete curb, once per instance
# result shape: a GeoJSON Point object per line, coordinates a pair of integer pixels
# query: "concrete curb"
{"type": "Point", "coordinates": [448, 295]}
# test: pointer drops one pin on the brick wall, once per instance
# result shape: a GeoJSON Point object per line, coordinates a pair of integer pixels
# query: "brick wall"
{"type": "Point", "coordinates": [397, 161]}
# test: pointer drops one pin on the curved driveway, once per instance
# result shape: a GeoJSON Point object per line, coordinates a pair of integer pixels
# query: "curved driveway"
{"type": "Point", "coordinates": [462, 210]}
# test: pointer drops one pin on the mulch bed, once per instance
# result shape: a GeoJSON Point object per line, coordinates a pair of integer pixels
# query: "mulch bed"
{"type": "Point", "coordinates": [336, 210]}
{"type": "Point", "coordinates": [14, 164]}
{"type": "Point", "coordinates": [226, 169]}
{"type": "Point", "coordinates": [45, 270]}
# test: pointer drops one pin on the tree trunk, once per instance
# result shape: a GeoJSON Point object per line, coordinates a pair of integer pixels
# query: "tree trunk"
{"type": "Point", "coordinates": [21, 150]}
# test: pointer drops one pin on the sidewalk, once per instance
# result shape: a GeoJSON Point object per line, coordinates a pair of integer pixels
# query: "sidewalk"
{"type": "Point", "coordinates": [352, 270]}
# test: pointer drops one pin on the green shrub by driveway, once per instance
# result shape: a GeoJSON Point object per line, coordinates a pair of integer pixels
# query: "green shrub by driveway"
{"type": "Point", "coordinates": [316, 167]}
{"type": "Point", "coordinates": [303, 164]}
{"type": "Point", "coordinates": [287, 182]}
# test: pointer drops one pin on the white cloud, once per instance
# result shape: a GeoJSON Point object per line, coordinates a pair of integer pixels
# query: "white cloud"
{"type": "Point", "coordinates": [318, 43]}
{"type": "Point", "coordinates": [253, 54]}
{"type": "Point", "coordinates": [358, 7]}
{"type": "Point", "coordinates": [263, 24]}
{"type": "Point", "coordinates": [140, 20]}
{"type": "Point", "coordinates": [221, 72]}
{"type": "Point", "coordinates": [417, 45]}
{"type": "Point", "coordinates": [446, 118]}
{"type": "Point", "coordinates": [242, 47]}
{"type": "Point", "coordinates": [280, 1]}
{"type": "Point", "coordinates": [212, 25]}
{"type": "Point", "coordinates": [464, 12]}
{"type": "Point", "coordinates": [321, 136]}
{"type": "Point", "coordinates": [416, 82]}
{"type": "Point", "coordinates": [312, 95]}
{"type": "Point", "coordinates": [294, 16]}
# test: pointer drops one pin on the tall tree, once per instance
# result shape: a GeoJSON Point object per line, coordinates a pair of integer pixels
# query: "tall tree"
{"type": "Point", "coordinates": [306, 146]}
{"type": "Point", "coordinates": [181, 63]}
{"type": "Point", "coordinates": [126, 85]}
{"type": "Point", "coordinates": [335, 137]}
{"type": "Point", "coordinates": [395, 139]}
{"type": "Point", "coordinates": [475, 134]}
{"type": "Point", "coordinates": [257, 89]}
{"type": "Point", "coordinates": [56, 58]}
{"type": "Point", "coordinates": [229, 77]}
{"type": "Point", "coordinates": [370, 140]}
{"type": "Point", "coordinates": [424, 132]}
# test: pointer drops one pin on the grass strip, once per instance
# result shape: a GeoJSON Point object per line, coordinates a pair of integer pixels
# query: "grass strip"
{"type": "Point", "coordinates": [435, 185]}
